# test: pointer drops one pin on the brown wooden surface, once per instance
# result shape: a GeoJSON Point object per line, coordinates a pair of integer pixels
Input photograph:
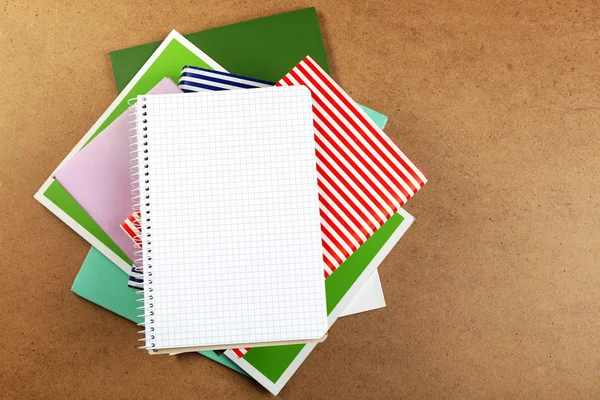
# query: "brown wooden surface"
{"type": "Point", "coordinates": [493, 293]}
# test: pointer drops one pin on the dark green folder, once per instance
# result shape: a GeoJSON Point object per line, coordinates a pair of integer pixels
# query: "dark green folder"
{"type": "Point", "coordinates": [264, 48]}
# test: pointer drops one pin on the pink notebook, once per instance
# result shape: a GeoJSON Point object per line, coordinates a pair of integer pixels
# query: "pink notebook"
{"type": "Point", "coordinates": [98, 176]}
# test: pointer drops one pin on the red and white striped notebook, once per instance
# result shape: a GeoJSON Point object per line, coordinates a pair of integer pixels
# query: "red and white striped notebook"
{"type": "Point", "coordinates": [364, 178]}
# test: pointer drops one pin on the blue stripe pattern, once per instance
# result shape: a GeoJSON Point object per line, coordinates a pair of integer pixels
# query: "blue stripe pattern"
{"type": "Point", "coordinates": [196, 79]}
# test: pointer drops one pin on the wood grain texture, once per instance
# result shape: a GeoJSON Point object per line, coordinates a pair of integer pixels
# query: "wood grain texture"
{"type": "Point", "coordinates": [494, 291]}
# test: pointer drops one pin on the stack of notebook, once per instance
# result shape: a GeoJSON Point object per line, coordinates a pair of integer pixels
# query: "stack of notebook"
{"type": "Point", "coordinates": [242, 210]}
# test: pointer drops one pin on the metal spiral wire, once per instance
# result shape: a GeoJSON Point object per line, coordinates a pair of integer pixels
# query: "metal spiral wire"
{"type": "Point", "coordinates": [138, 133]}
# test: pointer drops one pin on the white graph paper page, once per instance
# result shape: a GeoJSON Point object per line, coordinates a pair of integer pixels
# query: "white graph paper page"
{"type": "Point", "coordinates": [234, 253]}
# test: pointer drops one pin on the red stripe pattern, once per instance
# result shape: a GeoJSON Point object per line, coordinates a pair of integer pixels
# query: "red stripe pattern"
{"type": "Point", "coordinates": [133, 228]}
{"type": "Point", "coordinates": [240, 352]}
{"type": "Point", "coordinates": [364, 178]}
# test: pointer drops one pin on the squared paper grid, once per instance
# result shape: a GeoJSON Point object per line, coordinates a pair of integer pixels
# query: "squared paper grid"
{"type": "Point", "coordinates": [235, 241]}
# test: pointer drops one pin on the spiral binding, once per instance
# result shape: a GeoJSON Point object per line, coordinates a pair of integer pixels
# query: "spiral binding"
{"type": "Point", "coordinates": [139, 172]}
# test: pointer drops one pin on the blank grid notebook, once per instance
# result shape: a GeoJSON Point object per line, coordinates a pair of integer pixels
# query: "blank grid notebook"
{"type": "Point", "coordinates": [230, 215]}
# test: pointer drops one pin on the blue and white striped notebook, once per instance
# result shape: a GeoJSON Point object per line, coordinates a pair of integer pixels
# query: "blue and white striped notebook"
{"type": "Point", "coordinates": [196, 79]}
